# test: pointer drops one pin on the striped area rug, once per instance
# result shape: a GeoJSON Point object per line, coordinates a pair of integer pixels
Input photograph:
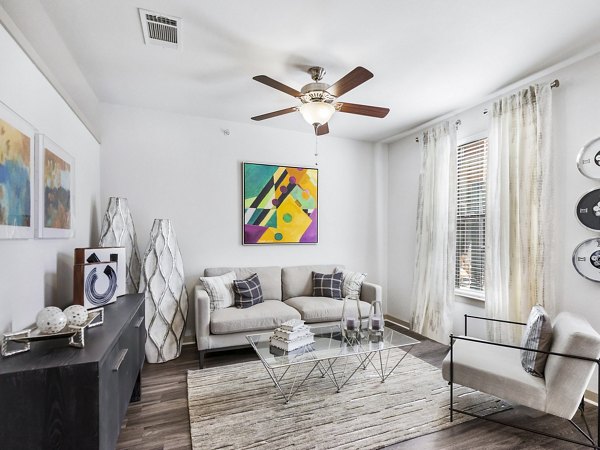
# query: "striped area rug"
{"type": "Point", "coordinates": [238, 407]}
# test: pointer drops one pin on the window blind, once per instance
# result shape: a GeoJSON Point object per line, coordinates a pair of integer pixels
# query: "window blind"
{"type": "Point", "coordinates": [470, 215]}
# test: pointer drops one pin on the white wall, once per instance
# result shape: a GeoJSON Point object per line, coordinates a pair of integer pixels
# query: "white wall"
{"type": "Point", "coordinates": [186, 169]}
{"type": "Point", "coordinates": [575, 109]}
{"type": "Point", "coordinates": [38, 273]}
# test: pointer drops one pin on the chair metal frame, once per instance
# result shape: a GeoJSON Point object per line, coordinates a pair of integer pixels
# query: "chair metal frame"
{"type": "Point", "coordinates": [591, 443]}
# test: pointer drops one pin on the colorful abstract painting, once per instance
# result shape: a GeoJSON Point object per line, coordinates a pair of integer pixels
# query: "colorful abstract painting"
{"type": "Point", "coordinates": [280, 204]}
{"type": "Point", "coordinates": [55, 191]}
{"type": "Point", "coordinates": [16, 176]}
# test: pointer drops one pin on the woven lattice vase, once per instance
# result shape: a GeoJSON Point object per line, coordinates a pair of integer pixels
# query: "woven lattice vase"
{"type": "Point", "coordinates": [118, 231]}
{"type": "Point", "coordinates": [163, 285]}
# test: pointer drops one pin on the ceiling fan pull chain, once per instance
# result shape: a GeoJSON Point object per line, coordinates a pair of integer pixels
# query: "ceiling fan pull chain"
{"type": "Point", "coordinates": [316, 150]}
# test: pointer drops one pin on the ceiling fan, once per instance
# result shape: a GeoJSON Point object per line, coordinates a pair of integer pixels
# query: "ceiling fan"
{"type": "Point", "coordinates": [319, 100]}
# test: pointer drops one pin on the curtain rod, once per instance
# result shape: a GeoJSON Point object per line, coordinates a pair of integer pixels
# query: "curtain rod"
{"type": "Point", "coordinates": [554, 84]}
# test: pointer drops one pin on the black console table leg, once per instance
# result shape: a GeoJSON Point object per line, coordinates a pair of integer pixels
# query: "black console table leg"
{"type": "Point", "coordinates": [136, 395]}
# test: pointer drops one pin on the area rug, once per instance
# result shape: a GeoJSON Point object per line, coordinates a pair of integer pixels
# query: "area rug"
{"type": "Point", "coordinates": [238, 407]}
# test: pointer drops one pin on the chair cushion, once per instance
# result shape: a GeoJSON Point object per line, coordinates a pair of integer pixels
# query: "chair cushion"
{"type": "Point", "coordinates": [568, 378]}
{"type": "Point", "coordinates": [324, 309]}
{"type": "Point", "coordinates": [220, 290]}
{"type": "Point", "coordinates": [496, 371]}
{"type": "Point", "coordinates": [327, 285]}
{"type": "Point", "coordinates": [537, 335]}
{"type": "Point", "coordinates": [296, 281]}
{"type": "Point", "coordinates": [270, 278]}
{"type": "Point", "coordinates": [248, 292]}
{"type": "Point", "coordinates": [267, 315]}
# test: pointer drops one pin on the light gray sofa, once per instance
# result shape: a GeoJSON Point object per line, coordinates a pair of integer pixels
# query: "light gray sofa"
{"type": "Point", "coordinates": [288, 295]}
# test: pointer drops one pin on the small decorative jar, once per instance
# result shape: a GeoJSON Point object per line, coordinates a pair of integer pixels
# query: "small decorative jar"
{"type": "Point", "coordinates": [376, 322]}
{"type": "Point", "coordinates": [351, 320]}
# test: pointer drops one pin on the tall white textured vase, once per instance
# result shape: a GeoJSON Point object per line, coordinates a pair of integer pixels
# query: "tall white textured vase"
{"type": "Point", "coordinates": [163, 285]}
{"type": "Point", "coordinates": [118, 231]}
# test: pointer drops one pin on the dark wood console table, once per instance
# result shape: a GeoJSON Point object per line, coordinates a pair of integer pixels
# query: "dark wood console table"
{"type": "Point", "coordinates": [60, 397]}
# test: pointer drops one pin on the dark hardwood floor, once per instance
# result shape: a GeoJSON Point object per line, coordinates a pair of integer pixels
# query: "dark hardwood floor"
{"type": "Point", "coordinates": [160, 420]}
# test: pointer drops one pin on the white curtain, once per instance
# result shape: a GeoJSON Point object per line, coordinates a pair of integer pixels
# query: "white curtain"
{"type": "Point", "coordinates": [433, 285]}
{"type": "Point", "coordinates": [518, 266]}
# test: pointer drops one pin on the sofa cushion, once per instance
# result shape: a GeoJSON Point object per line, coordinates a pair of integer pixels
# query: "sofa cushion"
{"type": "Point", "coordinates": [324, 309]}
{"type": "Point", "coordinates": [296, 281]}
{"type": "Point", "coordinates": [327, 285]}
{"type": "Point", "coordinates": [267, 315]}
{"type": "Point", "coordinates": [248, 292]}
{"type": "Point", "coordinates": [270, 278]}
{"type": "Point", "coordinates": [496, 371]}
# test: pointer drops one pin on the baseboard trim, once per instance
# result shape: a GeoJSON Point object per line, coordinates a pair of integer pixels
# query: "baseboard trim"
{"type": "Point", "coordinates": [188, 340]}
{"type": "Point", "coordinates": [397, 321]}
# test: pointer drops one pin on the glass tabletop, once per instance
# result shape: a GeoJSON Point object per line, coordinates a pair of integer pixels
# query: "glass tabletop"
{"type": "Point", "coordinates": [328, 344]}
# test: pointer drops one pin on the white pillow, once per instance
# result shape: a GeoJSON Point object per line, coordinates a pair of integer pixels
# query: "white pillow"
{"type": "Point", "coordinates": [220, 290]}
{"type": "Point", "coordinates": [352, 283]}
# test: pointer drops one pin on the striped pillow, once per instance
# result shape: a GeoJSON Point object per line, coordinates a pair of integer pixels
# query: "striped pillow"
{"type": "Point", "coordinates": [327, 285]}
{"type": "Point", "coordinates": [220, 290]}
{"type": "Point", "coordinates": [352, 283]}
{"type": "Point", "coordinates": [538, 335]}
{"type": "Point", "coordinates": [248, 292]}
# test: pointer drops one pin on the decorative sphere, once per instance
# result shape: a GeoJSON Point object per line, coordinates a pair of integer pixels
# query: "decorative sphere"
{"type": "Point", "coordinates": [51, 320]}
{"type": "Point", "coordinates": [76, 315]}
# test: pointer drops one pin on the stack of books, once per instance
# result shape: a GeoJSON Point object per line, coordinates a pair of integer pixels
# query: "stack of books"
{"type": "Point", "coordinates": [291, 336]}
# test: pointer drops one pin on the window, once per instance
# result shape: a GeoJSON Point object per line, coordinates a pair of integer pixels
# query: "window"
{"type": "Point", "coordinates": [470, 218]}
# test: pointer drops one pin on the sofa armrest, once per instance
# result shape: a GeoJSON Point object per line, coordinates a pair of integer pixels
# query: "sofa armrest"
{"type": "Point", "coordinates": [202, 304]}
{"type": "Point", "coordinates": [370, 292]}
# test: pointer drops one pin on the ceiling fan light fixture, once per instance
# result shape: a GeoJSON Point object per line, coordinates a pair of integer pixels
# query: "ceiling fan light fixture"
{"type": "Point", "coordinates": [317, 112]}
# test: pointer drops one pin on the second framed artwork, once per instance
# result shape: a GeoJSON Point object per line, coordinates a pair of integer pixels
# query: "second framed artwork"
{"type": "Point", "coordinates": [55, 190]}
{"type": "Point", "coordinates": [280, 204]}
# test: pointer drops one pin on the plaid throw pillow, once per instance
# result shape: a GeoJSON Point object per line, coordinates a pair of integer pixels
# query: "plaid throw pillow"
{"type": "Point", "coordinates": [327, 285]}
{"type": "Point", "coordinates": [248, 292]}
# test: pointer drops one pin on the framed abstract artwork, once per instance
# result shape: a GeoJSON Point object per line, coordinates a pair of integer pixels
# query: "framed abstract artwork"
{"type": "Point", "coordinates": [16, 176]}
{"type": "Point", "coordinates": [55, 190]}
{"type": "Point", "coordinates": [280, 204]}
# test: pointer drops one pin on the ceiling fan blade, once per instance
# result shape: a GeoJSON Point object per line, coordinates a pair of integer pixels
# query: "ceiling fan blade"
{"type": "Point", "coordinates": [275, 113]}
{"type": "Point", "coordinates": [363, 110]}
{"type": "Point", "coordinates": [355, 78]}
{"type": "Point", "coordinates": [277, 85]}
{"type": "Point", "coordinates": [322, 129]}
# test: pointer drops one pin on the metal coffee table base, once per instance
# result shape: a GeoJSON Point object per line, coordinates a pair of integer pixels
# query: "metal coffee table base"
{"type": "Point", "coordinates": [326, 369]}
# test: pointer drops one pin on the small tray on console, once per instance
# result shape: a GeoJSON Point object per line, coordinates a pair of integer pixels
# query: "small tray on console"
{"type": "Point", "coordinates": [76, 333]}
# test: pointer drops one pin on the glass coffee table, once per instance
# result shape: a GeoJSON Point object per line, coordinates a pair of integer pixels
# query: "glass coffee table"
{"type": "Point", "coordinates": [289, 371]}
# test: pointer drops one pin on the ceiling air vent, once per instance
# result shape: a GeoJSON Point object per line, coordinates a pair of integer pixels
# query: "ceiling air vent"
{"type": "Point", "coordinates": [160, 29]}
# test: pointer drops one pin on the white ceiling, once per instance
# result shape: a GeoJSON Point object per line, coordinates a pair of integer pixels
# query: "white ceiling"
{"type": "Point", "coordinates": [429, 57]}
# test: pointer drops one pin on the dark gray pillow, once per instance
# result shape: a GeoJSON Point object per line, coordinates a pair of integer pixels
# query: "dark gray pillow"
{"type": "Point", "coordinates": [248, 292]}
{"type": "Point", "coordinates": [538, 335]}
{"type": "Point", "coordinates": [327, 285]}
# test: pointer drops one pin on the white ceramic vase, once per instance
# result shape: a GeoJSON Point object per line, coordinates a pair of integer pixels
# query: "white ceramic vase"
{"type": "Point", "coordinates": [162, 283]}
{"type": "Point", "coordinates": [118, 231]}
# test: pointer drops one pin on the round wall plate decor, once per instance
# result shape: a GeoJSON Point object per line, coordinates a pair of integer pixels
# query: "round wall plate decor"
{"type": "Point", "coordinates": [588, 160]}
{"type": "Point", "coordinates": [588, 210]}
{"type": "Point", "coordinates": [586, 259]}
